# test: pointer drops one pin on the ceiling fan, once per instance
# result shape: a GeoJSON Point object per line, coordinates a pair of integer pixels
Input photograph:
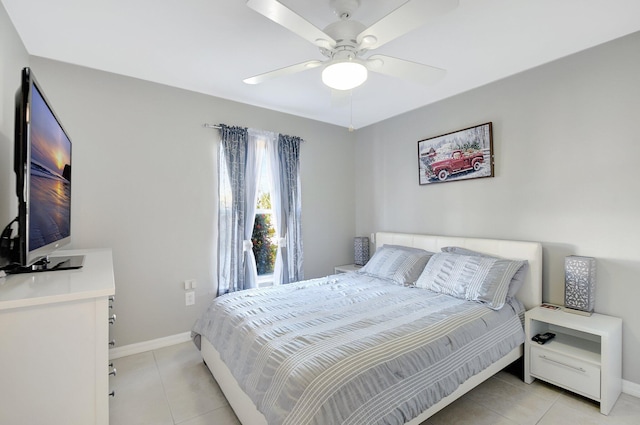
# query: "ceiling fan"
{"type": "Point", "coordinates": [346, 41]}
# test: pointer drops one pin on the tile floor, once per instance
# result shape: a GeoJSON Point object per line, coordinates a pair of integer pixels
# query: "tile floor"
{"type": "Point", "coordinates": [172, 386]}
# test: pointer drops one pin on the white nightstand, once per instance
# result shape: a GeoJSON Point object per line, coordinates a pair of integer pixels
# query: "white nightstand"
{"type": "Point", "coordinates": [346, 268]}
{"type": "Point", "coordinates": [584, 357]}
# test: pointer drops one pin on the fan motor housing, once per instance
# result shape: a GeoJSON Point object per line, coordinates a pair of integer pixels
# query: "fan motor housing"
{"type": "Point", "coordinates": [345, 34]}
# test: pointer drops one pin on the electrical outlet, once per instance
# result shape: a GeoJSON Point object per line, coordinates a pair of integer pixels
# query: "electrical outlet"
{"type": "Point", "coordinates": [190, 298]}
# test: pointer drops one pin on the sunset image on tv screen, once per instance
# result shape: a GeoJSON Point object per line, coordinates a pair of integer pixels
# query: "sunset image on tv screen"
{"type": "Point", "coordinates": [50, 177]}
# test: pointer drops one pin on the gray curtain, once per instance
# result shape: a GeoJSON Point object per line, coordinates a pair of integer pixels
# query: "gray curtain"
{"type": "Point", "coordinates": [231, 208]}
{"type": "Point", "coordinates": [290, 207]}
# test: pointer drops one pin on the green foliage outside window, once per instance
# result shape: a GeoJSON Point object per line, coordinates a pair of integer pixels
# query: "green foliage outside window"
{"type": "Point", "coordinates": [263, 232]}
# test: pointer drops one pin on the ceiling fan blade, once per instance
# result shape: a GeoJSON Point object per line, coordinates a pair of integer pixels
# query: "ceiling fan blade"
{"type": "Point", "coordinates": [282, 15]}
{"type": "Point", "coordinates": [257, 79]}
{"type": "Point", "coordinates": [413, 71]}
{"type": "Point", "coordinates": [404, 19]}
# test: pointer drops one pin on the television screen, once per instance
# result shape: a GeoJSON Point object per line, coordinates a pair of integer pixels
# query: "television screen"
{"type": "Point", "coordinates": [49, 216]}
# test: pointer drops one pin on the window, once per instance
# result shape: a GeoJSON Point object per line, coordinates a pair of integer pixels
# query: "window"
{"type": "Point", "coordinates": [264, 233]}
{"type": "Point", "coordinates": [250, 212]}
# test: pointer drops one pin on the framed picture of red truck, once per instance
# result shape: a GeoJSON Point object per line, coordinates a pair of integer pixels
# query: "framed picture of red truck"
{"type": "Point", "coordinates": [459, 155]}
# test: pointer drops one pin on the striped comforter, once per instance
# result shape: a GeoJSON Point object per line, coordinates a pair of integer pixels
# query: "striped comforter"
{"type": "Point", "coordinates": [353, 349]}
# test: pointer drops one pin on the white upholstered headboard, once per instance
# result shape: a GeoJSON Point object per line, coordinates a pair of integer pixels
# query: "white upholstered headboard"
{"type": "Point", "coordinates": [531, 292]}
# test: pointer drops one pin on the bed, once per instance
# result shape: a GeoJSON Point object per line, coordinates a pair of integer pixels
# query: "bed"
{"type": "Point", "coordinates": [291, 374]}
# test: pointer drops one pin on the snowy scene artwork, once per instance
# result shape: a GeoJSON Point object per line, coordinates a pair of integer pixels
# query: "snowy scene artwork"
{"type": "Point", "coordinates": [459, 155]}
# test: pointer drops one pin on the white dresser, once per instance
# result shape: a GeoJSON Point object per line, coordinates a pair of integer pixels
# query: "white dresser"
{"type": "Point", "coordinates": [54, 332]}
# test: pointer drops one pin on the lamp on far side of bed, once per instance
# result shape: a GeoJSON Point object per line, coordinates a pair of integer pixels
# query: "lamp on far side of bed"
{"type": "Point", "coordinates": [579, 284]}
{"type": "Point", "coordinates": [360, 250]}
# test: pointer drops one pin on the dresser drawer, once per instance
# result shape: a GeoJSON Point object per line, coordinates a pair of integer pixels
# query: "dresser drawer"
{"type": "Point", "coordinates": [565, 371]}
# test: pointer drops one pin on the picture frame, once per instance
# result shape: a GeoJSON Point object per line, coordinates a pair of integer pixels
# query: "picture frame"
{"type": "Point", "coordinates": [460, 155]}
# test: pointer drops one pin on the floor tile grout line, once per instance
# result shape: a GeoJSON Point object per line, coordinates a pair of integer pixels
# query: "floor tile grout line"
{"type": "Point", "coordinates": [166, 398]}
{"type": "Point", "coordinates": [529, 387]}
{"type": "Point", "coordinates": [491, 410]}
{"type": "Point", "coordinates": [548, 409]}
{"type": "Point", "coordinates": [164, 389]}
{"type": "Point", "coordinates": [505, 382]}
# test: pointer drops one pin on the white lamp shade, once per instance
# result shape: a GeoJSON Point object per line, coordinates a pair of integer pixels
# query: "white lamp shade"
{"type": "Point", "coordinates": [344, 75]}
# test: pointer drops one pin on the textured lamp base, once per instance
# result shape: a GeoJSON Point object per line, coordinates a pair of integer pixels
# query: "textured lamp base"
{"type": "Point", "coordinates": [361, 250]}
{"type": "Point", "coordinates": [579, 284]}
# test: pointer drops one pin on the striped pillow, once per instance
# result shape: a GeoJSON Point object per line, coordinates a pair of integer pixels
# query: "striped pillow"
{"type": "Point", "coordinates": [401, 264]}
{"type": "Point", "coordinates": [516, 282]}
{"type": "Point", "coordinates": [473, 278]}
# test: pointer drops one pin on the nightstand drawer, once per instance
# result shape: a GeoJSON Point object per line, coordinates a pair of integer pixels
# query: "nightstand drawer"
{"type": "Point", "coordinates": [565, 371]}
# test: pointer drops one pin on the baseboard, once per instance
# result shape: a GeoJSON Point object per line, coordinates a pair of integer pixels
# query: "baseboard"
{"type": "Point", "coordinates": [631, 388]}
{"type": "Point", "coordinates": [154, 344]}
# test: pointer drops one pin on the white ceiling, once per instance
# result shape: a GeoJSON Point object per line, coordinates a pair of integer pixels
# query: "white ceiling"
{"type": "Point", "coordinates": [210, 46]}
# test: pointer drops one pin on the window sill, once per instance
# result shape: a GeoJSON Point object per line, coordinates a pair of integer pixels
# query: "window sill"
{"type": "Point", "coordinates": [264, 280]}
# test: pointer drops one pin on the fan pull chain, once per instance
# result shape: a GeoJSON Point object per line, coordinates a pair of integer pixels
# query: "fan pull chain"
{"type": "Point", "coordinates": [351, 111]}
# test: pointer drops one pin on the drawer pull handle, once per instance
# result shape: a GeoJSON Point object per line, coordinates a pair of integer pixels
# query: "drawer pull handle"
{"type": "Point", "coordinates": [112, 343]}
{"type": "Point", "coordinates": [112, 319]}
{"type": "Point", "coordinates": [579, 369]}
{"type": "Point", "coordinates": [113, 372]}
{"type": "Point", "coordinates": [112, 394]}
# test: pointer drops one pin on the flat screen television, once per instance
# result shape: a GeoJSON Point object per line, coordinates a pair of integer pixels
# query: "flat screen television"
{"type": "Point", "coordinates": [42, 164]}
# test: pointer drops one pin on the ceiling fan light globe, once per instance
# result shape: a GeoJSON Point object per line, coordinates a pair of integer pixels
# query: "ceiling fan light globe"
{"type": "Point", "coordinates": [345, 75]}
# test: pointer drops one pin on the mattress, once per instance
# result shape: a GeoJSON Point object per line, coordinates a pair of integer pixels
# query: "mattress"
{"type": "Point", "coordinates": [354, 349]}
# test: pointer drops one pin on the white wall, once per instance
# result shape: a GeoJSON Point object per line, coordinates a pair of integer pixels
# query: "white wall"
{"type": "Point", "coordinates": [567, 153]}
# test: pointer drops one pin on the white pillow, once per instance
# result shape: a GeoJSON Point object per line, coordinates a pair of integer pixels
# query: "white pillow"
{"type": "Point", "coordinates": [516, 282]}
{"type": "Point", "coordinates": [473, 278]}
{"type": "Point", "coordinates": [402, 264]}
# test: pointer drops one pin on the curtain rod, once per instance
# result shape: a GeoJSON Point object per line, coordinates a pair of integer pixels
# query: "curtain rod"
{"type": "Point", "coordinates": [217, 127]}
